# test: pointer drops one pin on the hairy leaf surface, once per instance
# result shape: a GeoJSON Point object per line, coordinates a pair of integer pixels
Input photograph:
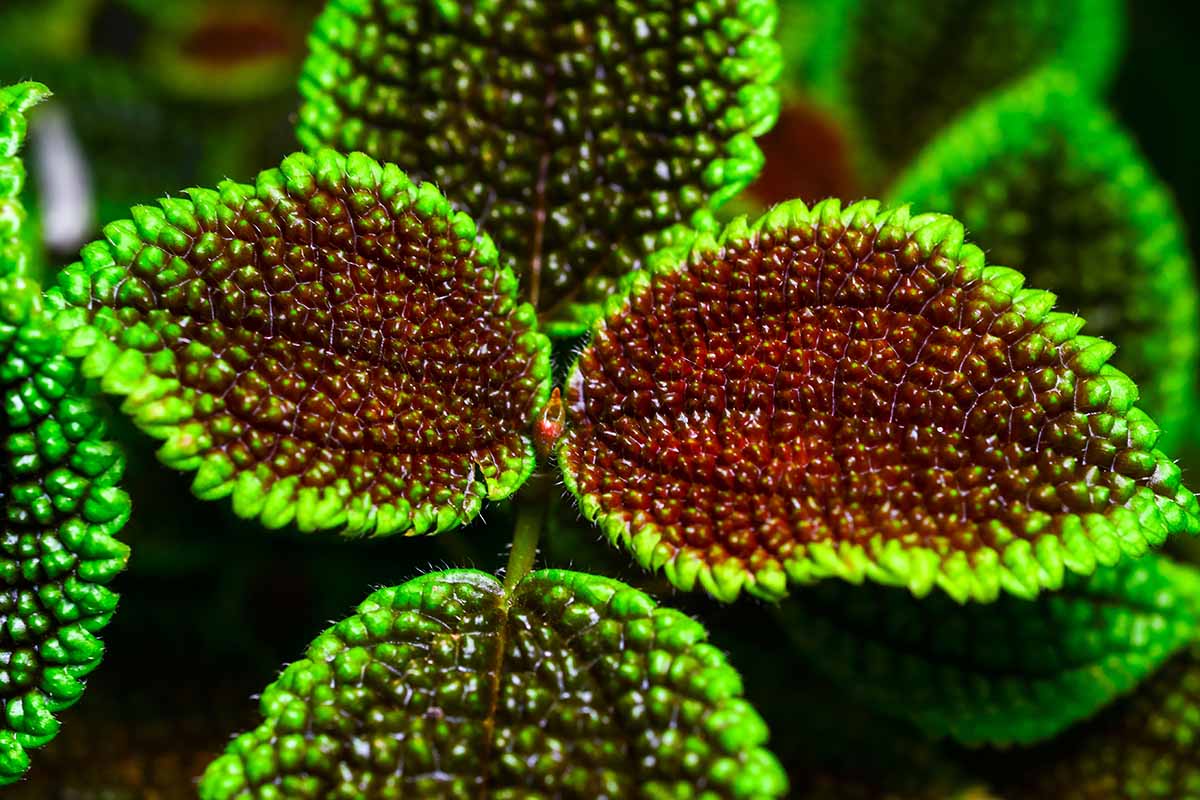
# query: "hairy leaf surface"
{"type": "Point", "coordinates": [1052, 184]}
{"type": "Point", "coordinates": [332, 346]}
{"type": "Point", "coordinates": [573, 686]}
{"type": "Point", "coordinates": [1142, 748]}
{"type": "Point", "coordinates": [1013, 671]}
{"type": "Point", "coordinates": [574, 131]}
{"type": "Point", "coordinates": [854, 393]}
{"type": "Point", "coordinates": [898, 72]}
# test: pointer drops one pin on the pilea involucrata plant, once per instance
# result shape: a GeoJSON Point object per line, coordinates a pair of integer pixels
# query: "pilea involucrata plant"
{"type": "Point", "coordinates": [503, 259]}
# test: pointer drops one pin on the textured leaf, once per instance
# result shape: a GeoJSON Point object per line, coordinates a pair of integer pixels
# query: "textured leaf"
{"type": "Point", "coordinates": [15, 101]}
{"type": "Point", "coordinates": [332, 346]}
{"type": "Point", "coordinates": [1143, 748]}
{"type": "Point", "coordinates": [1013, 671]}
{"type": "Point", "coordinates": [575, 686]}
{"type": "Point", "coordinates": [900, 71]}
{"type": "Point", "coordinates": [62, 510]}
{"type": "Point", "coordinates": [855, 394]}
{"type": "Point", "coordinates": [575, 131]}
{"type": "Point", "coordinates": [1052, 184]}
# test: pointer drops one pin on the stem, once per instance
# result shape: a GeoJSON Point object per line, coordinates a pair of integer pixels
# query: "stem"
{"type": "Point", "coordinates": [531, 516]}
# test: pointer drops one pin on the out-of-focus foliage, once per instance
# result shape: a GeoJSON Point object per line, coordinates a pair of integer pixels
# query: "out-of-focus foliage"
{"type": "Point", "coordinates": [896, 73]}
{"type": "Point", "coordinates": [1013, 671]}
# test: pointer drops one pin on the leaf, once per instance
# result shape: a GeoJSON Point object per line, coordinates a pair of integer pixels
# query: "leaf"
{"type": "Point", "coordinates": [62, 511]}
{"type": "Point", "coordinates": [854, 393]}
{"type": "Point", "coordinates": [332, 346]}
{"type": "Point", "coordinates": [58, 476]}
{"type": "Point", "coordinates": [898, 72]}
{"type": "Point", "coordinates": [575, 686]}
{"type": "Point", "coordinates": [576, 133]}
{"type": "Point", "coordinates": [1143, 747]}
{"type": "Point", "coordinates": [1015, 671]}
{"type": "Point", "coordinates": [1050, 181]}
{"type": "Point", "coordinates": [15, 102]}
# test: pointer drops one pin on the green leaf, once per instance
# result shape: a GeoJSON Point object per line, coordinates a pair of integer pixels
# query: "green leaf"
{"type": "Point", "coordinates": [1051, 183]}
{"type": "Point", "coordinates": [1142, 748]}
{"type": "Point", "coordinates": [1012, 671]}
{"type": "Point", "coordinates": [332, 346]}
{"type": "Point", "coordinates": [898, 72]}
{"type": "Point", "coordinates": [62, 512]}
{"type": "Point", "coordinates": [855, 393]}
{"type": "Point", "coordinates": [15, 102]}
{"type": "Point", "coordinates": [575, 132]}
{"type": "Point", "coordinates": [576, 685]}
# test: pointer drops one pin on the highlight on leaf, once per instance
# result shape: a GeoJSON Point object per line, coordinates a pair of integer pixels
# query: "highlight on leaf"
{"type": "Point", "coordinates": [856, 394]}
{"type": "Point", "coordinates": [1015, 671]}
{"type": "Point", "coordinates": [62, 512]}
{"type": "Point", "coordinates": [332, 346]}
{"type": "Point", "coordinates": [1143, 747]}
{"type": "Point", "coordinates": [574, 132]}
{"type": "Point", "coordinates": [898, 73]}
{"type": "Point", "coordinates": [15, 102]}
{"type": "Point", "coordinates": [574, 685]}
{"type": "Point", "coordinates": [1051, 183]}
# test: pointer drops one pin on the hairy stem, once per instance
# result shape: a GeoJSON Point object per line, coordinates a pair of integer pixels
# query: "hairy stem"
{"type": "Point", "coordinates": [532, 506]}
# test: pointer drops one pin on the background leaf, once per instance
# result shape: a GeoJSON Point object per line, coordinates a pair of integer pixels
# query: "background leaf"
{"type": "Point", "coordinates": [854, 393]}
{"type": "Point", "coordinates": [574, 685]}
{"type": "Point", "coordinates": [550, 124]}
{"type": "Point", "coordinates": [1049, 180]}
{"type": "Point", "coordinates": [898, 72]}
{"type": "Point", "coordinates": [1143, 747]}
{"type": "Point", "coordinates": [332, 346]}
{"type": "Point", "coordinates": [1012, 671]}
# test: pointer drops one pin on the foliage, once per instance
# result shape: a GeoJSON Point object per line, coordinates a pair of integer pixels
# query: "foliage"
{"type": "Point", "coordinates": [574, 132]}
{"type": "Point", "coordinates": [246, 326]}
{"type": "Point", "coordinates": [1047, 178]}
{"type": "Point", "coordinates": [844, 403]}
{"type": "Point", "coordinates": [451, 686]}
{"type": "Point", "coordinates": [854, 393]}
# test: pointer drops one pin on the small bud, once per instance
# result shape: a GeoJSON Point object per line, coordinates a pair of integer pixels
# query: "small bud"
{"type": "Point", "coordinates": [549, 426]}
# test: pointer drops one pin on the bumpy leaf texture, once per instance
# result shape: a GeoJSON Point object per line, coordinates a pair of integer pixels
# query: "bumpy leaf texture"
{"type": "Point", "coordinates": [333, 346]}
{"type": "Point", "coordinates": [573, 686]}
{"type": "Point", "coordinates": [15, 101]}
{"type": "Point", "coordinates": [58, 491]}
{"type": "Point", "coordinates": [62, 509]}
{"type": "Point", "coordinates": [898, 72]}
{"type": "Point", "coordinates": [575, 131]}
{"type": "Point", "coordinates": [1015, 671]}
{"type": "Point", "coordinates": [1143, 748]}
{"type": "Point", "coordinates": [854, 393]}
{"type": "Point", "coordinates": [1052, 184]}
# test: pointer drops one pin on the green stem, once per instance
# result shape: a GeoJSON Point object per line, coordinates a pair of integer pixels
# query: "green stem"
{"type": "Point", "coordinates": [532, 506]}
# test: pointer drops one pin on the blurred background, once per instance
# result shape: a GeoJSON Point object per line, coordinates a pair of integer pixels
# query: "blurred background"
{"type": "Point", "coordinates": [152, 96]}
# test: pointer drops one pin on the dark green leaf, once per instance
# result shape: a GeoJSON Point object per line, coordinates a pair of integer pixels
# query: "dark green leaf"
{"type": "Point", "coordinates": [574, 686]}
{"type": "Point", "coordinates": [1012, 671]}
{"type": "Point", "coordinates": [1143, 748]}
{"type": "Point", "coordinates": [898, 72]}
{"type": "Point", "coordinates": [576, 132]}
